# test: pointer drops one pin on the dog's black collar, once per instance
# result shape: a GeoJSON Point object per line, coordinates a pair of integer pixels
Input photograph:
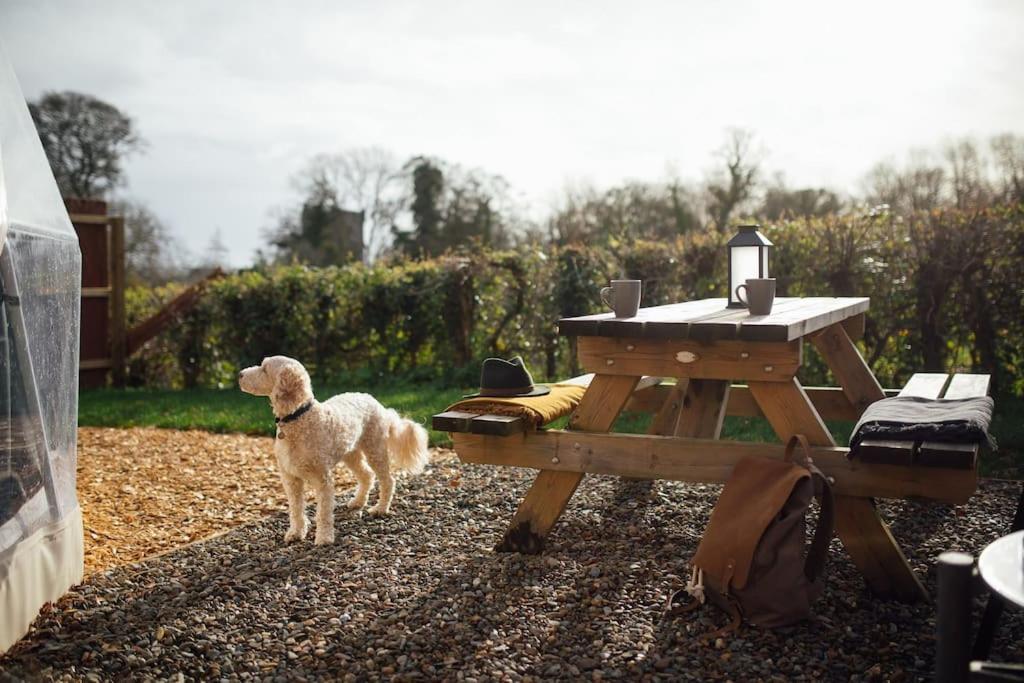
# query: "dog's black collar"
{"type": "Point", "coordinates": [299, 412]}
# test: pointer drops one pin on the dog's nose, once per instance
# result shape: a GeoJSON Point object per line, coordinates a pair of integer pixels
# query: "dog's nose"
{"type": "Point", "coordinates": [240, 373]}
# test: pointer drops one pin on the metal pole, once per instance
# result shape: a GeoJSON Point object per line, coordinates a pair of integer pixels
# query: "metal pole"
{"type": "Point", "coordinates": [994, 608]}
{"type": "Point", "coordinates": [953, 621]}
{"type": "Point", "coordinates": [12, 301]}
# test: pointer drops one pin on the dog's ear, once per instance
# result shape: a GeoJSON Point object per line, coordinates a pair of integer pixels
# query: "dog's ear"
{"type": "Point", "coordinates": [291, 386]}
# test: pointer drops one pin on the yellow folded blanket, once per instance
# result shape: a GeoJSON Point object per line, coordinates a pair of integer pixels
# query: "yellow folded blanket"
{"type": "Point", "coordinates": [537, 410]}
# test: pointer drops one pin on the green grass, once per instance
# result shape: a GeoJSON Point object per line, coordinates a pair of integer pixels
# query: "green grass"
{"type": "Point", "coordinates": [230, 410]}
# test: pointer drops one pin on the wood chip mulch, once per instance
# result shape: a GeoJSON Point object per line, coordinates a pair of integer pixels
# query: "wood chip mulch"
{"type": "Point", "coordinates": [146, 491]}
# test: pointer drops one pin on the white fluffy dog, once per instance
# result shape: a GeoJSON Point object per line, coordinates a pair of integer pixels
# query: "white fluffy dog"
{"type": "Point", "coordinates": [372, 441]}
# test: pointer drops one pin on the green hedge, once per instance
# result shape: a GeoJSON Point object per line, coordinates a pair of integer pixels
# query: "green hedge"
{"type": "Point", "coordinates": [946, 292]}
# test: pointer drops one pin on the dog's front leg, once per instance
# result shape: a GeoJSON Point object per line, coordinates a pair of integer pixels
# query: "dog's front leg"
{"type": "Point", "coordinates": [298, 525]}
{"type": "Point", "coordinates": [325, 510]}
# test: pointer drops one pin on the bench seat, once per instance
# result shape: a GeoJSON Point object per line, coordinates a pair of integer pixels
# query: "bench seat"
{"type": "Point", "coordinates": [503, 425]}
{"type": "Point", "coordinates": [928, 453]}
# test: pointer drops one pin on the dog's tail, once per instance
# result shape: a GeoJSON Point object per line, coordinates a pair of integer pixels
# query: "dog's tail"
{"type": "Point", "coordinates": [407, 443]}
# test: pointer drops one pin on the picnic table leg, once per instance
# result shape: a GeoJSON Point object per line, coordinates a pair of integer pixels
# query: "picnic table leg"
{"type": "Point", "coordinates": [703, 409]}
{"type": "Point", "coordinates": [551, 490]}
{"type": "Point", "coordinates": [852, 372]}
{"type": "Point", "coordinates": [664, 422]}
{"type": "Point", "coordinates": [864, 535]}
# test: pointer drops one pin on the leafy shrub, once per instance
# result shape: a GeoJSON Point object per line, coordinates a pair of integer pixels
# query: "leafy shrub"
{"type": "Point", "coordinates": [946, 292]}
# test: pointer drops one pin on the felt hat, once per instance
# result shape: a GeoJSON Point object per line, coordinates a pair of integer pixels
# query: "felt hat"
{"type": "Point", "coordinates": [500, 378]}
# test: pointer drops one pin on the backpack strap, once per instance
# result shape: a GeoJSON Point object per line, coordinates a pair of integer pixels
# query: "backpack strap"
{"type": "Point", "coordinates": [732, 608]}
{"type": "Point", "coordinates": [818, 552]}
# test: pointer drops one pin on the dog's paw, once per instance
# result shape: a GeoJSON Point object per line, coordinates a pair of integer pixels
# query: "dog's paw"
{"type": "Point", "coordinates": [324, 538]}
{"type": "Point", "coordinates": [294, 534]}
{"type": "Point", "coordinates": [378, 511]}
{"type": "Point", "coordinates": [355, 504]}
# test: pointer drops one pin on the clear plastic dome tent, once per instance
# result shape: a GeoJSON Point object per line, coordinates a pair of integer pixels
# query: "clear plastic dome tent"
{"type": "Point", "coordinates": [40, 290]}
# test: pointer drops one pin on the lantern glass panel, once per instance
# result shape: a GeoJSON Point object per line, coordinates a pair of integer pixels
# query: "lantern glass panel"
{"type": "Point", "coordinates": [746, 263]}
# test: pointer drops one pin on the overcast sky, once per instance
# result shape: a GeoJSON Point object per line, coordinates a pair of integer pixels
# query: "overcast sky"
{"type": "Point", "coordinates": [233, 97]}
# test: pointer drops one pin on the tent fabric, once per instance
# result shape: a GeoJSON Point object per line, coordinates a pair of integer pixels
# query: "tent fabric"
{"type": "Point", "coordinates": [38, 570]}
{"type": "Point", "coordinates": [40, 302]}
{"type": "Point", "coordinates": [3, 203]}
{"type": "Point", "coordinates": [33, 200]}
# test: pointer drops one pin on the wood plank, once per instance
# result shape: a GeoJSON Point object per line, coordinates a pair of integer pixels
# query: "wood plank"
{"type": "Point", "coordinates": [664, 422]}
{"type": "Point", "coordinates": [672, 321]}
{"type": "Point", "coordinates": [118, 318]}
{"type": "Point", "coordinates": [775, 361]}
{"type": "Point", "coordinates": [922, 385]}
{"type": "Point", "coordinates": [579, 380]}
{"type": "Point", "coordinates": [861, 389]}
{"type": "Point", "coordinates": [870, 543]}
{"type": "Point", "coordinates": [498, 425]}
{"type": "Point", "coordinates": [830, 402]}
{"type": "Point", "coordinates": [925, 385]}
{"type": "Point", "coordinates": [864, 535]}
{"type": "Point", "coordinates": [452, 421]}
{"type": "Point", "coordinates": [603, 402]}
{"type": "Point", "coordinates": [703, 409]}
{"type": "Point", "coordinates": [886, 451]}
{"type": "Point", "coordinates": [850, 370]}
{"type": "Point", "coordinates": [814, 314]}
{"type": "Point", "coordinates": [94, 364]}
{"type": "Point", "coordinates": [673, 316]}
{"type": "Point", "coordinates": [89, 219]}
{"type": "Point", "coordinates": [951, 455]}
{"type": "Point", "coordinates": [708, 461]}
{"type": "Point", "coordinates": [789, 411]}
{"type": "Point", "coordinates": [968, 386]}
{"type": "Point", "coordinates": [727, 324]}
{"type": "Point", "coordinates": [645, 382]}
{"type": "Point", "coordinates": [855, 326]}
{"type": "Point", "coordinates": [962, 456]}
{"type": "Point", "coordinates": [709, 320]}
{"type": "Point", "coordinates": [552, 489]}
{"type": "Point", "coordinates": [162, 319]}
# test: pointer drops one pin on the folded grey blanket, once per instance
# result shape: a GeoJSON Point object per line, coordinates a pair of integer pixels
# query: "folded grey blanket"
{"type": "Point", "coordinates": [910, 418]}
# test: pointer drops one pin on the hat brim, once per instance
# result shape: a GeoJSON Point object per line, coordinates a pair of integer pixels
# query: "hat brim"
{"type": "Point", "coordinates": [538, 390]}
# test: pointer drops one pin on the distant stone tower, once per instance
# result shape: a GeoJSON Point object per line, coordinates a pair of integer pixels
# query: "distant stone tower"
{"type": "Point", "coordinates": [345, 232]}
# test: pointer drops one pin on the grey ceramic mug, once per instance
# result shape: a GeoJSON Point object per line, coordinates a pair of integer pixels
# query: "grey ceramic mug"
{"type": "Point", "coordinates": [760, 295]}
{"type": "Point", "coordinates": [623, 297]}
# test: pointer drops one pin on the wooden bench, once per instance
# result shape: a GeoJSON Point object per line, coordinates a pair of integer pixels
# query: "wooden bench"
{"type": "Point", "coordinates": [930, 454]}
{"type": "Point", "coordinates": [463, 422]}
{"type": "Point", "coordinates": [727, 362]}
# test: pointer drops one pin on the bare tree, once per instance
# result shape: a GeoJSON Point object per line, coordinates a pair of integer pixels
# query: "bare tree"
{"type": "Point", "coordinates": [1008, 156]}
{"type": "Point", "coordinates": [152, 255]}
{"type": "Point", "coordinates": [366, 179]}
{"type": "Point", "coordinates": [85, 140]}
{"type": "Point", "coordinates": [782, 201]}
{"type": "Point", "coordinates": [216, 255]}
{"type": "Point", "coordinates": [730, 188]}
{"type": "Point", "coordinates": [919, 186]}
{"type": "Point", "coordinates": [968, 176]}
{"type": "Point", "coordinates": [633, 210]}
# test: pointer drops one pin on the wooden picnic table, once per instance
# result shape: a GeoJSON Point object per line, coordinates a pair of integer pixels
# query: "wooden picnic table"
{"type": "Point", "coordinates": [707, 348]}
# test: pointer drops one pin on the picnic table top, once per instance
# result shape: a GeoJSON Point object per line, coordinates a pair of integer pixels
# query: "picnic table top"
{"type": "Point", "coordinates": [709, 319]}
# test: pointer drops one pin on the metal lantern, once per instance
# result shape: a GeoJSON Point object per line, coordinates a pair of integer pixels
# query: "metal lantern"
{"type": "Point", "coordinates": [748, 258]}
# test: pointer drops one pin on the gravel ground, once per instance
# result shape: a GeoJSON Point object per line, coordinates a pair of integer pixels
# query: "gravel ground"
{"type": "Point", "coordinates": [421, 595]}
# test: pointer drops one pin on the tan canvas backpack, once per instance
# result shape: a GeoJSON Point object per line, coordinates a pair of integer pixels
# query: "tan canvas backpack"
{"type": "Point", "coordinates": [754, 560]}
